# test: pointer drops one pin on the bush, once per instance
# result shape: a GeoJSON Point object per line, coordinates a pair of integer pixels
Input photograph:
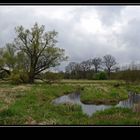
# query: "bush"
{"type": "Point", "coordinates": [15, 78]}
{"type": "Point", "coordinates": [101, 76]}
{"type": "Point", "coordinates": [51, 77]}
{"type": "Point", "coordinates": [24, 77]}
{"type": "Point", "coordinates": [18, 77]}
{"type": "Point", "coordinates": [127, 75]}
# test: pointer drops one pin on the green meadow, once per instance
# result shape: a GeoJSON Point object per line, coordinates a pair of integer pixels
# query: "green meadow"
{"type": "Point", "coordinates": [31, 104]}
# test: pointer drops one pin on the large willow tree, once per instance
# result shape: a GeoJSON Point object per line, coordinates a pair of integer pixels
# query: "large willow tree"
{"type": "Point", "coordinates": [35, 50]}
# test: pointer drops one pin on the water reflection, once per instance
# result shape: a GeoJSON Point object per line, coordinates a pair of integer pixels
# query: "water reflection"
{"type": "Point", "coordinates": [74, 98]}
{"type": "Point", "coordinates": [90, 109]}
{"type": "Point", "coordinates": [129, 103]}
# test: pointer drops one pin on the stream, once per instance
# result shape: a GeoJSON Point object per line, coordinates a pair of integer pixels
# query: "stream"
{"type": "Point", "coordinates": [90, 109]}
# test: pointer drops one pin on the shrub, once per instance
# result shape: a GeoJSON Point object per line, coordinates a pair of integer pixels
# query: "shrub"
{"type": "Point", "coordinates": [15, 78]}
{"type": "Point", "coordinates": [101, 76]}
{"type": "Point", "coordinates": [18, 77]}
{"type": "Point", "coordinates": [51, 77]}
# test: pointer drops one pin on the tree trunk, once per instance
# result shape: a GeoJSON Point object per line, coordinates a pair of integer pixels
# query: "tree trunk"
{"type": "Point", "coordinates": [108, 73]}
{"type": "Point", "coordinates": [96, 70]}
{"type": "Point", "coordinates": [31, 77]}
{"type": "Point", "coordinates": [31, 80]}
{"type": "Point", "coordinates": [31, 74]}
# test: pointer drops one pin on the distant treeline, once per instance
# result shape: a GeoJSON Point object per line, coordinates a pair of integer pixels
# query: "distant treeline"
{"type": "Point", "coordinates": [102, 69]}
{"type": "Point", "coordinates": [96, 68]}
{"type": "Point", "coordinates": [127, 75]}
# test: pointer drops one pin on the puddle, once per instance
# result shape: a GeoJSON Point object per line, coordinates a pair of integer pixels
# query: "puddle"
{"type": "Point", "coordinates": [90, 109]}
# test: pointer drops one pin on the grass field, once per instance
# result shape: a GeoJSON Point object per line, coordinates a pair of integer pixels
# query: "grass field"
{"type": "Point", "coordinates": [32, 104]}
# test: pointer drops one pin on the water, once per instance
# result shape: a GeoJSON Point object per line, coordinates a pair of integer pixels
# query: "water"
{"type": "Point", "coordinates": [90, 109]}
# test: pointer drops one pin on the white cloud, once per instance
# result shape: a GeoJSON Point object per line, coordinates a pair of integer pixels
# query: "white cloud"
{"type": "Point", "coordinates": [84, 31]}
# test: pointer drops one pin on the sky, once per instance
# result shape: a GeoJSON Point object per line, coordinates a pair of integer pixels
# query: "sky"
{"type": "Point", "coordinates": [83, 31]}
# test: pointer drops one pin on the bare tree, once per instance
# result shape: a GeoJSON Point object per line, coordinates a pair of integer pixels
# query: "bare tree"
{"type": "Point", "coordinates": [109, 62]}
{"type": "Point", "coordinates": [97, 61]}
{"type": "Point", "coordinates": [85, 65]}
{"type": "Point", "coordinates": [78, 70]}
{"type": "Point", "coordinates": [72, 69]}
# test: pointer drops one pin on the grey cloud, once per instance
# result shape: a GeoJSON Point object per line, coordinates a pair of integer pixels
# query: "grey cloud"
{"type": "Point", "coordinates": [12, 17]}
{"type": "Point", "coordinates": [131, 33]}
{"type": "Point", "coordinates": [129, 37]}
{"type": "Point", "coordinates": [109, 14]}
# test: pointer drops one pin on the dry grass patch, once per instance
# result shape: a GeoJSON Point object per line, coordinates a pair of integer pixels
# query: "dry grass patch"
{"type": "Point", "coordinates": [10, 94]}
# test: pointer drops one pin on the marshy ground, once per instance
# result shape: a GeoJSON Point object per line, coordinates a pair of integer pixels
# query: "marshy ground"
{"type": "Point", "coordinates": [32, 104]}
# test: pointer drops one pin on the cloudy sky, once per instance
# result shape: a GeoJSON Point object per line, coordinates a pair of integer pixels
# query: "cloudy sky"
{"type": "Point", "coordinates": [84, 31]}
